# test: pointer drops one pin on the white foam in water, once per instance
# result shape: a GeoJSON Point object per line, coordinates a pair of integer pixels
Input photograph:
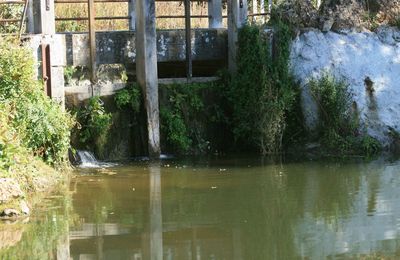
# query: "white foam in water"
{"type": "Point", "coordinates": [88, 160]}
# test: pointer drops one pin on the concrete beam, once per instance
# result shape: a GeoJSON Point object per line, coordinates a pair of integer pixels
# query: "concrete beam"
{"type": "Point", "coordinates": [215, 14]}
{"type": "Point", "coordinates": [237, 18]}
{"type": "Point", "coordinates": [41, 17]}
{"type": "Point", "coordinates": [146, 69]}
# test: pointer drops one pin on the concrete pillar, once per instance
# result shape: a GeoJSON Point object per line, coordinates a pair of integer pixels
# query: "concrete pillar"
{"type": "Point", "coordinates": [215, 14]}
{"type": "Point", "coordinates": [237, 18]}
{"type": "Point", "coordinates": [132, 14]}
{"type": "Point", "coordinates": [146, 69]}
{"type": "Point", "coordinates": [43, 18]}
{"type": "Point", "coordinates": [30, 18]}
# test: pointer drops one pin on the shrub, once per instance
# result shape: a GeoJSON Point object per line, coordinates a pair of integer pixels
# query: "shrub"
{"type": "Point", "coordinates": [94, 121]}
{"type": "Point", "coordinates": [41, 123]}
{"type": "Point", "coordinates": [339, 125]}
{"type": "Point", "coordinates": [262, 92]}
{"type": "Point", "coordinates": [129, 97]}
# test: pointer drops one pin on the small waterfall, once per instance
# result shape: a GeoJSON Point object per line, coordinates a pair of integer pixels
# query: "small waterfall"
{"type": "Point", "coordinates": [88, 160]}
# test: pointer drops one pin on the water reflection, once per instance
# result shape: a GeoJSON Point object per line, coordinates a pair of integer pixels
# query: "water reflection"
{"type": "Point", "coordinates": [221, 210]}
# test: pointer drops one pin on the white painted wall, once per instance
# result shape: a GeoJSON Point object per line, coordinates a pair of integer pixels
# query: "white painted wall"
{"type": "Point", "coordinates": [354, 56]}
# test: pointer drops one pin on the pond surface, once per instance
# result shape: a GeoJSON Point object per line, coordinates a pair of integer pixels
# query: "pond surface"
{"type": "Point", "coordinates": [218, 209]}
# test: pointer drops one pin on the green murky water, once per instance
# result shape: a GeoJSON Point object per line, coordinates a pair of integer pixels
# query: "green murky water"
{"type": "Point", "coordinates": [225, 209]}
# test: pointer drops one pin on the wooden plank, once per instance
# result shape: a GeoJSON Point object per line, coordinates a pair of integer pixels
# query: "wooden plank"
{"type": "Point", "coordinates": [21, 25]}
{"type": "Point", "coordinates": [171, 81]}
{"type": "Point", "coordinates": [188, 38]}
{"type": "Point", "coordinates": [92, 40]}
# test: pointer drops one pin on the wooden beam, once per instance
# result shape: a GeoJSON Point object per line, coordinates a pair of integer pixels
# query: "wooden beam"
{"type": "Point", "coordinates": [188, 37]}
{"type": "Point", "coordinates": [92, 41]}
{"type": "Point", "coordinates": [237, 17]}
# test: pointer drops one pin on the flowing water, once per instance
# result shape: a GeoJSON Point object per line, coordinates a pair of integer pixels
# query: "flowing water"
{"type": "Point", "coordinates": [217, 209]}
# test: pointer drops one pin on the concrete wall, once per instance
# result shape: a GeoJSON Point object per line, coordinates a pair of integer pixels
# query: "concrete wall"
{"type": "Point", "coordinates": [118, 47]}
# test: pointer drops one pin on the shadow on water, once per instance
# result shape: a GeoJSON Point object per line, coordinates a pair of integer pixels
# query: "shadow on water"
{"type": "Point", "coordinates": [229, 209]}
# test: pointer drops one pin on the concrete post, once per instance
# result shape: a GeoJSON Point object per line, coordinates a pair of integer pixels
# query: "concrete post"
{"type": "Point", "coordinates": [146, 69]}
{"type": "Point", "coordinates": [30, 28]}
{"type": "Point", "coordinates": [215, 14]}
{"type": "Point", "coordinates": [132, 15]}
{"type": "Point", "coordinates": [237, 18]}
{"type": "Point", "coordinates": [43, 17]}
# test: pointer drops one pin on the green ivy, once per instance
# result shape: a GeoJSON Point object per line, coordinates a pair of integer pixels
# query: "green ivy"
{"type": "Point", "coordinates": [94, 121]}
{"type": "Point", "coordinates": [129, 97]}
{"type": "Point", "coordinates": [262, 92]}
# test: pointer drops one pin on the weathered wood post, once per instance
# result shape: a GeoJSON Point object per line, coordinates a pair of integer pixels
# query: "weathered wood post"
{"type": "Point", "coordinates": [237, 17]}
{"type": "Point", "coordinates": [215, 14]}
{"type": "Point", "coordinates": [188, 41]}
{"type": "Point", "coordinates": [146, 69]}
{"type": "Point", "coordinates": [132, 15]}
{"type": "Point", "coordinates": [92, 42]}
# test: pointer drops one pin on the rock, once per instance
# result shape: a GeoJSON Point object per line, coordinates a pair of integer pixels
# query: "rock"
{"type": "Point", "coordinates": [327, 25]}
{"type": "Point", "coordinates": [299, 13]}
{"type": "Point", "coordinates": [24, 207]}
{"type": "Point", "coordinates": [9, 189]}
{"type": "Point", "coordinates": [9, 213]}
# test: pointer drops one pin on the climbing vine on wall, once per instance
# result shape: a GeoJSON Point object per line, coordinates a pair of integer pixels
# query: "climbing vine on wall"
{"type": "Point", "coordinates": [262, 92]}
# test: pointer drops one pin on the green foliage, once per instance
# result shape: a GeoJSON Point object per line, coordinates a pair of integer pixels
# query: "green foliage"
{"type": "Point", "coordinates": [177, 133]}
{"type": "Point", "coordinates": [70, 26]}
{"type": "Point", "coordinates": [94, 121]}
{"type": "Point", "coordinates": [185, 119]}
{"type": "Point", "coordinates": [39, 122]}
{"type": "Point", "coordinates": [262, 92]}
{"type": "Point", "coordinates": [130, 96]}
{"type": "Point", "coordinates": [69, 72]}
{"type": "Point", "coordinates": [339, 127]}
{"type": "Point", "coordinates": [10, 11]}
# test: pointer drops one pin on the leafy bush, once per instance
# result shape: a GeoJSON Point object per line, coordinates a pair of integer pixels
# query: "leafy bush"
{"type": "Point", "coordinates": [94, 121]}
{"type": "Point", "coordinates": [262, 91]}
{"type": "Point", "coordinates": [339, 127]}
{"type": "Point", "coordinates": [129, 97]}
{"type": "Point", "coordinates": [187, 121]}
{"type": "Point", "coordinates": [10, 11]}
{"type": "Point", "coordinates": [41, 123]}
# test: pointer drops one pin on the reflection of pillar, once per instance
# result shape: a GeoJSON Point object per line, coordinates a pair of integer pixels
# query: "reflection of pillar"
{"type": "Point", "coordinates": [63, 252]}
{"type": "Point", "coordinates": [153, 244]}
{"type": "Point", "coordinates": [237, 244]}
{"type": "Point", "coordinates": [99, 242]}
